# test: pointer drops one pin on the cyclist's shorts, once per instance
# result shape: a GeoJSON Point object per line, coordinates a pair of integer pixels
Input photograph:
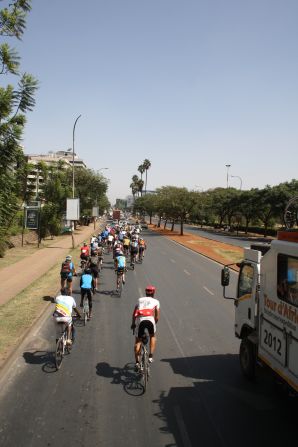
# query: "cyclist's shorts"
{"type": "Point", "coordinates": [134, 250]}
{"type": "Point", "coordinates": [120, 270]}
{"type": "Point", "coordinates": [66, 320]}
{"type": "Point", "coordinates": [84, 257]}
{"type": "Point", "coordinates": [145, 324]}
{"type": "Point", "coordinates": [94, 271]}
{"type": "Point", "coordinates": [141, 248]}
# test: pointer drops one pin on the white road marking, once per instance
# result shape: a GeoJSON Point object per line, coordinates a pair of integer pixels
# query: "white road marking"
{"type": "Point", "coordinates": [173, 261]}
{"type": "Point", "coordinates": [185, 271]}
{"type": "Point", "coordinates": [207, 290]}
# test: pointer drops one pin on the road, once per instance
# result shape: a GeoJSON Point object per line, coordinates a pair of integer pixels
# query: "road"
{"type": "Point", "coordinates": [239, 241]}
{"type": "Point", "coordinates": [196, 394]}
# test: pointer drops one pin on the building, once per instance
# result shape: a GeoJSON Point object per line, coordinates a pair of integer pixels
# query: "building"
{"type": "Point", "coordinates": [35, 179]}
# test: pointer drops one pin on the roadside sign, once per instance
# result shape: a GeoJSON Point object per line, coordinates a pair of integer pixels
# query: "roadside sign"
{"type": "Point", "coordinates": [95, 211]}
{"type": "Point", "coordinates": [31, 221]}
{"type": "Point", "coordinates": [73, 209]}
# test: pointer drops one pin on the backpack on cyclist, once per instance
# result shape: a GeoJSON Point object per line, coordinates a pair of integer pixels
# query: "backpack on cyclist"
{"type": "Point", "coordinates": [65, 269]}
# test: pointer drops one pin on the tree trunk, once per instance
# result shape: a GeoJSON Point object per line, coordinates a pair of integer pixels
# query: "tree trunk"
{"type": "Point", "coordinates": [164, 227]}
{"type": "Point", "coordinates": [173, 224]}
{"type": "Point", "coordinates": [181, 227]}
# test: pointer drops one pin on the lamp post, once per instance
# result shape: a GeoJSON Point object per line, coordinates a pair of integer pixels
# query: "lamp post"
{"type": "Point", "coordinates": [237, 176]}
{"type": "Point", "coordinates": [73, 153]}
{"type": "Point", "coordinates": [228, 167]}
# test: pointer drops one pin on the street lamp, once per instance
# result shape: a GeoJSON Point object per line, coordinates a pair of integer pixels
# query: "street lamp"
{"type": "Point", "coordinates": [237, 176]}
{"type": "Point", "coordinates": [73, 152]}
{"type": "Point", "coordinates": [228, 167]}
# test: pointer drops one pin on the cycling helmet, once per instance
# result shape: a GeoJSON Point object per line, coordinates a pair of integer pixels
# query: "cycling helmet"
{"type": "Point", "coordinates": [68, 258]}
{"type": "Point", "coordinates": [88, 271]}
{"type": "Point", "coordinates": [150, 290]}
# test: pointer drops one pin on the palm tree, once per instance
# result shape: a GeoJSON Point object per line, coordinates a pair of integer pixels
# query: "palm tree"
{"type": "Point", "coordinates": [146, 165]}
{"type": "Point", "coordinates": [141, 169]}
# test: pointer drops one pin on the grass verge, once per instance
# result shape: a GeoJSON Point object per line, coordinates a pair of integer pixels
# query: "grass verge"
{"type": "Point", "coordinates": [20, 313]}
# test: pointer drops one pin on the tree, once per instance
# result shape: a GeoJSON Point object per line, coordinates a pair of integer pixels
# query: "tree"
{"type": "Point", "coordinates": [146, 166]}
{"type": "Point", "coordinates": [14, 103]}
{"type": "Point", "coordinates": [141, 169]}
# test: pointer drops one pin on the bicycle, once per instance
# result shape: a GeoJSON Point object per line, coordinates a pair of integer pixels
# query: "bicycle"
{"type": "Point", "coordinates": [119, 283]}
{"type": "Point", "coordinates": [62, 347]}
{"type": "Point", "coordinates": [144, 361]}
{"type": "Point", "coordinates": [86, 310]}
{"type": "Point", "coordinates": [133, 259]}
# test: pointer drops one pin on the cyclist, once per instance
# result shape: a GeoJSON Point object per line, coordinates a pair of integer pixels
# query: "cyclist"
{"type": "Point", "coordinates": [85, 253]}
{"type": "Point", "coordinates": [63, 312]}
{"type": "Point", "coordinates": [87, 285]}
{"type": "Point", "coordinates": [142, 248]}
{"type": "Point", "coordinates": [145, 316]}
{"type": "Point", "coordinates": [66, 273]}
{"type": "Point", "coordinates": [118, 247]}
{"type": "Point", "coordinates": [100, 253]}
{"type": "Point", "coordinates": [126, 244]}
{"type": "Point", "coordinates": [133, 249]}
{"type": "Point", "coordinates": [110, 241]}
{"type": "Point", "coordinates": [120, 267]}
{"type": "Point", "coordinates": [93, 265]}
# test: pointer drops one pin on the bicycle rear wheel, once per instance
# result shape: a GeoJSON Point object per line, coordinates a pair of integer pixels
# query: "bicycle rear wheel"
{"type": "Point", "coordinates": [59, 353]}
{"type": "Point", "coordinates": [145, 372]}
{"type": "Point", "coordinates": [86, 310]}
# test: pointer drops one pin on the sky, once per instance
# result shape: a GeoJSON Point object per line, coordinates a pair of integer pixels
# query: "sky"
{"type": "Point", "coordinates": [191, 85]}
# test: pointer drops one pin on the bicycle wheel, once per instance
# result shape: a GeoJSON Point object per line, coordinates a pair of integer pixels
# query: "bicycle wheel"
{"type": "Point", "coordinates": [120, 286]}
{"type": "Point", "coordinates": [86, 310]}
{"type": "Point", "coordinates": [59, 352]}
{"type": "Point", "coordinates": [145, 372]}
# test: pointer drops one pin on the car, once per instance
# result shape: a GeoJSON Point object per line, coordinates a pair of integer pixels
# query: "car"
{"type": "Point", "coordinates": [144, 226]}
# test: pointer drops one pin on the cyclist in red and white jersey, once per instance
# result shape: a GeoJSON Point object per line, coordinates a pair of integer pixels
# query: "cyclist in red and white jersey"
{"type": "Point", "coordinates": [145, 316]}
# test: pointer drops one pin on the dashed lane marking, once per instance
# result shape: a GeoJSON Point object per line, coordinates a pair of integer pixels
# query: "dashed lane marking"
{"type": "Point", "coordinates": [185, 271]}
{"type": "Point", "coordinates": [207, 290]}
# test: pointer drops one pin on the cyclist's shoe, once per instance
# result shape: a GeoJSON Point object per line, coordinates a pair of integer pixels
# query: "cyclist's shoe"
{"type": "Point", "coordinates": [151, 358]}
{"type": "Point", "coordinates": [137, 367]}
{"type": "Point", "coordinates": [123, 281]}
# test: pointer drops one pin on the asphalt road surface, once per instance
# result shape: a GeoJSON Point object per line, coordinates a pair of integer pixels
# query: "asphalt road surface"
{"type": "Point", "coordinates": [240, 241]}
{"type": "Point", "coordinates": [196, 394]}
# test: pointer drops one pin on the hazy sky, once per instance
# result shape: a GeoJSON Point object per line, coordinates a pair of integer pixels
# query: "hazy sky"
{"type": "Point", "coordinates": [191, 85]}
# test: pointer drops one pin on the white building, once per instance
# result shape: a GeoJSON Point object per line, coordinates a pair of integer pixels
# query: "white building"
{"type": "Point", "coordinates": [35, 179]}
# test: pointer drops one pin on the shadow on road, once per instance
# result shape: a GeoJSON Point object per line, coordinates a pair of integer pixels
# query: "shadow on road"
{"type": "Point", "coordinates": [221, 408]}
{"type": "Point", "coordinates": [44, 358]}
{"type": "Point", "coordinates": [125, 376]}
{"type": "Point", "coordinates": [49, 298]}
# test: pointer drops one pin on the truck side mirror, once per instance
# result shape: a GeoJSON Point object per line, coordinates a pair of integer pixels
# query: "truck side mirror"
{"type": "Point", "coordinates": [225, 276]}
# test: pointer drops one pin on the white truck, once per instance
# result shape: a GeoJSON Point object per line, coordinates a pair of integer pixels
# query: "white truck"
{"type": "Point", "coordinates": [266, 307]}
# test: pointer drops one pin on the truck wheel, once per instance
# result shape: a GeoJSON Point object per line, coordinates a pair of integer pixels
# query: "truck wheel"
{"type": "Point", "coordinates": [247, 358]}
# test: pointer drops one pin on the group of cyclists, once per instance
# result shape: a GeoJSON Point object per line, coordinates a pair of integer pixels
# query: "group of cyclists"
{"type": "Point", "coordinates": [124, 242]}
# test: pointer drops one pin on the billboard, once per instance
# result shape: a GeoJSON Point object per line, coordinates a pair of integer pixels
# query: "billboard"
{"type": "Point", "coordinates": [32, 215]}
{"type": "Point", "coordinates": [95, 211]}
{"type": "Point", "coordinates": [72, 209]}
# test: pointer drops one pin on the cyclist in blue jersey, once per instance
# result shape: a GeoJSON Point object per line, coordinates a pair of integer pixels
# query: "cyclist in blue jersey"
{"type": "Point", "coordinates": [120, 266]}
{"type": "Point", "coordinates": [87, 285]}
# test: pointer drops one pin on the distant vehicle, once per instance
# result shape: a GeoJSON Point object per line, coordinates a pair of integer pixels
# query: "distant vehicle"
{"type": "Point", "coordinates": [66, 230]}
{"type": "Point", "coordinates": [116, 215]}
{"type": "Point", "coordinates": [144, 226]}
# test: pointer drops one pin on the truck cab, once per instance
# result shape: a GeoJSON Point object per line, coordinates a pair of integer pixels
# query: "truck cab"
{"type": "Point", "coordinates": [266, 308]}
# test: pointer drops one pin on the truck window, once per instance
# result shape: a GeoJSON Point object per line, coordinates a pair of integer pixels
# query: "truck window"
{"type": "Point", "coordinates": [287, 279]}
{"type": "Point", "coordinates": [245, 280]}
